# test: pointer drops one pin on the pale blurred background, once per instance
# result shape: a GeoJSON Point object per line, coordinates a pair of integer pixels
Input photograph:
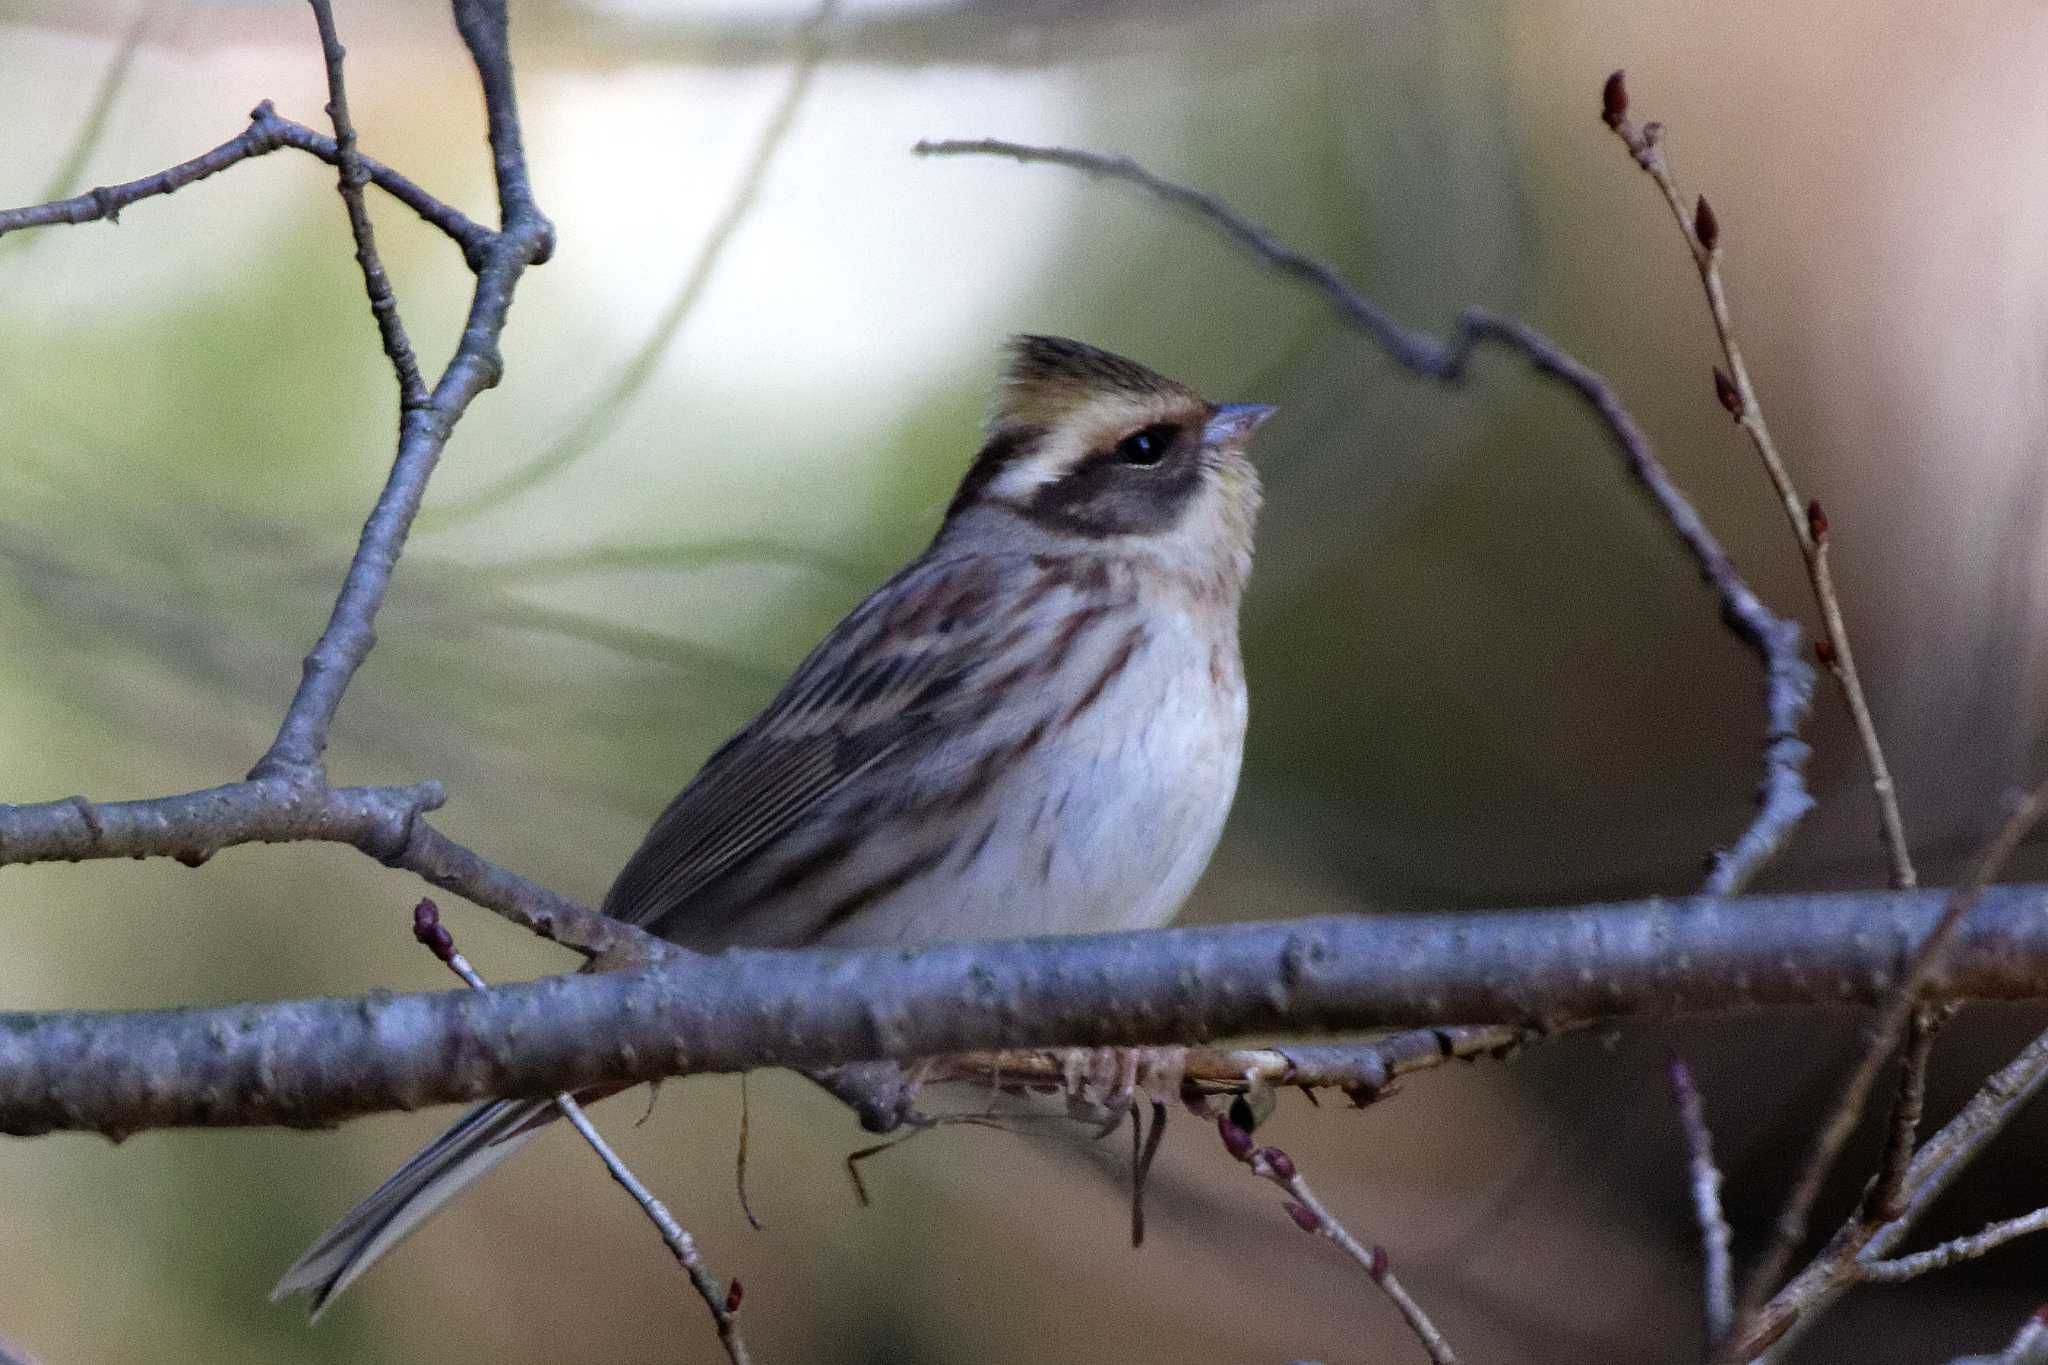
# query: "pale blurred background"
{"type": "Point", "coordinates": [739, 396]}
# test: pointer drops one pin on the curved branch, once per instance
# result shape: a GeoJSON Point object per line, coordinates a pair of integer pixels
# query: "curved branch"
{"type": "Point", "coordinates": [311, 1063]}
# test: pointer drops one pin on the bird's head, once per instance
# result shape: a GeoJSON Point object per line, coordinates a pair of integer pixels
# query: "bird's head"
{"type": "Point", "coordinates": [1088, 446]}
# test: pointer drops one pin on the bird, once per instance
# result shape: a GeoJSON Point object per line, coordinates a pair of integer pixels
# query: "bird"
{"type": "Point", "coordinates": [1035, 727]}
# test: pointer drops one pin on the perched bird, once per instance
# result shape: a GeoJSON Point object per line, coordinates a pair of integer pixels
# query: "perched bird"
{"type": "Point", "coordinates": [1033, 728]}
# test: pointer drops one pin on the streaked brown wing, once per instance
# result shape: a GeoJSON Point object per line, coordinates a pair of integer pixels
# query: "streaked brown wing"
{"type": "Point", "coordinates": [852, 703]}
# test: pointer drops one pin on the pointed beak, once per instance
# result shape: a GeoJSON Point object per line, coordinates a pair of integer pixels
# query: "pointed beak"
{"type": "Point", "coordinates": [1234, 423]}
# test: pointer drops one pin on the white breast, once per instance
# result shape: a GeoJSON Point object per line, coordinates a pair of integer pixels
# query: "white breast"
{"type": "Point", "coordinates": [1105, 825]}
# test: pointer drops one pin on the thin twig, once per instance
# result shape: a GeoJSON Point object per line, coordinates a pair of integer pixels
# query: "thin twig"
{"type": "Point", "coordinates": [1310, 1214]}
{"type": "Point", "coordinates": [428, 929]}
{"type": "Point", "coordinates": [1782, 796]}
{"type": "Point", "coordinates": [1955, 1250]}
{"type": "Point", "coordinates": [1702, 233]}
{"type": "Point", "coordinates": [524, 238]}
{"type": "Point", "coordinates": [1718, 1273]}
{"type": "Point", "coordinates": [1909, 1103]}
{"type": "Point", "coordinates": [386, 823]}
{"type": "Point", "coordinates": [2003, 1096]}
{"type": "Point", "coordinates": [1763, 1324]}
{"type": "Point", "coordinates": [267, 132]}
{"type": "Point", "coordinates": [412, 389]}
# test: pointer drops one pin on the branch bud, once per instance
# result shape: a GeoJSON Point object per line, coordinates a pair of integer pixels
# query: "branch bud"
{"type": "Point", "coordinates": [426, 927]}
{"type": "Point", "coordinates": [733, 1295]}
{"type": "Point", "coordinates": [1304, 1217]}
{"type": "Point", "coordinates": [1378, 1268]}
{"type": "Point", "coordinates": [1614, 100]}
{"type": "Point", "coordinates": [1730, 396]}
{"type": "Point", "coordinates": [1705, 225]}
{"type": "Point", "coordinates": [1276, 1161]}
{"type": "Point", "coordinates": [1816, 521]}
{"type": "Point", "coordinates": [1824, 650]}
{"type": "Point", "coordinates": [1236, 1140]}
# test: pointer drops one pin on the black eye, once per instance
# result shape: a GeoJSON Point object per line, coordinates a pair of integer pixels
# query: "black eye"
{"type": "Point", "coordinates": [1146, 447]}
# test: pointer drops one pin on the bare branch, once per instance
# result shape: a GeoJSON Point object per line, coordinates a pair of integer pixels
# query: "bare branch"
{"type": "Point", "coordinates": [1782, 796]}
{"type": "Point", "coordinates": [1718, 1269]}
{"type": "Point", "coordinates": [1954, 1251]}
{"type": "Point", "coordinates": [267, 131]}
{"type": "Point", "coordinates": [314, 1062]}
{"type": "Point", "coordinates": [524, 238]}
{"type": "Point", "coordinates": [1702, 232]}
{"type": "Point", "coordinates": [387, 823]}
{"type": "Point", "coordinates": [412, 390]}
{"type": "Point", "coordinates": [1943, 1157]}
{"type": "Point", "coordinates": [1790, 1227]}
{"type": "Point", "coordinates": [1310, 1214]}
{"type": "Point", "coordinates": [428, 929]}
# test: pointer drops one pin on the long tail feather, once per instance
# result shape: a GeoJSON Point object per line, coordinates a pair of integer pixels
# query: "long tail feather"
{"type": "Point", "coordinates": [480, 1139]}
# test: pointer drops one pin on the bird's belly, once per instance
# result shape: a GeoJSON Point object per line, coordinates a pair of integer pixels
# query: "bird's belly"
{"type": "Point", "coordinates": [1106, 824]}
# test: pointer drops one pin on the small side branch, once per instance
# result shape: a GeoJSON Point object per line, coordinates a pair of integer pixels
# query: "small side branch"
{"type": "Point", "coordinates": [1701, 230]}
{"type": "Point", "coordinates": [1782, 796]}
{"type": "Point", "coordinates": [1310, 1214]}
{"type": "Point", "coordinates": [1937, 1163]}
{"type": "Point", "coordinates": [1718, 1267]}
{"type": "Point", "coordinates": [724, 1304]}
{"type": "Point", "coordinates": [412, 389]}
{"type": "Point", "coordinates": [386, 823]}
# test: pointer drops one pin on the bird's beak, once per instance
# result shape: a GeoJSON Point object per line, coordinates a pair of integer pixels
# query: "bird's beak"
{"type": "Point", "coordinates": [1234, 423]}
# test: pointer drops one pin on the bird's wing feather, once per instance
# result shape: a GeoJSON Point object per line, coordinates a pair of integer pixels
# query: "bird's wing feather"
{"type": "Point", "coordinates": [871, 687]}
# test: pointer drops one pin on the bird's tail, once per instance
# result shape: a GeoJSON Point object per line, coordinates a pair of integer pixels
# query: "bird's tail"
{"type": "Point", "coordinates": [480, 1139]}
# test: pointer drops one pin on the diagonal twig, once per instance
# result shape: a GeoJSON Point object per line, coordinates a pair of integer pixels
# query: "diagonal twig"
{"type": "Point", "coordinates": [722, 1302]}
{"type": "Point", "coordinates": [1764, 1321]}
{"type": "Point", "coordinates": [1702, 232]}
{"type": "Point", "coordinates": [1717, 1265]}
{"type": "Point", "coordinates": [1311, 1215]}
{"type": "Point", "coordinates": [412, 390]}
{"type": "Point", "coordinates": [1782, 796]}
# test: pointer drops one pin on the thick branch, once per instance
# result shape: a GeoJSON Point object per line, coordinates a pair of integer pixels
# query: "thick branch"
{"type": "Point", "coordinates": [315, 1062]}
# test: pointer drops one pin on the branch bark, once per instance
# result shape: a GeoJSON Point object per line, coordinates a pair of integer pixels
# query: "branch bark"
{"type": "Point", "coordinates": [311, 1063]}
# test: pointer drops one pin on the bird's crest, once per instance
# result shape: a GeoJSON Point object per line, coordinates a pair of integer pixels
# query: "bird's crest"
{"type": "Point", "coordinates": [1048, 379]}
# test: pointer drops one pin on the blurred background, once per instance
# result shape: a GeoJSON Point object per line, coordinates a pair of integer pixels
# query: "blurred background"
{"type": "Point", "coordinates": [1483, 674]}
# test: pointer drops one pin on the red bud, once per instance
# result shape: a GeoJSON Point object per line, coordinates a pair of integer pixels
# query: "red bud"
{"type": "Point", "coordinates": [1824, 650]}
{"type": "Point", "coordinates": [426, 928]}
{"type": "Point", "coordinates": [1816, 520]}
{"type": "Point", "coordinates": [1304, 1217]}
{"type": "Point", "coordinates": [1378, 1268]}
{"type": "Point", "coordinates": [1277, 1161]}
{"type": "Point", "coordinates": [1705, 225]}
{"type": "Point", "coordinates": [1730, 396]}
{"type": "Point", "coordinates": [733, 1295]}
{"type": "Point", "coordinates": [1236, 1140]}
{"type": "Point", "coordinates": [1614, 100]}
